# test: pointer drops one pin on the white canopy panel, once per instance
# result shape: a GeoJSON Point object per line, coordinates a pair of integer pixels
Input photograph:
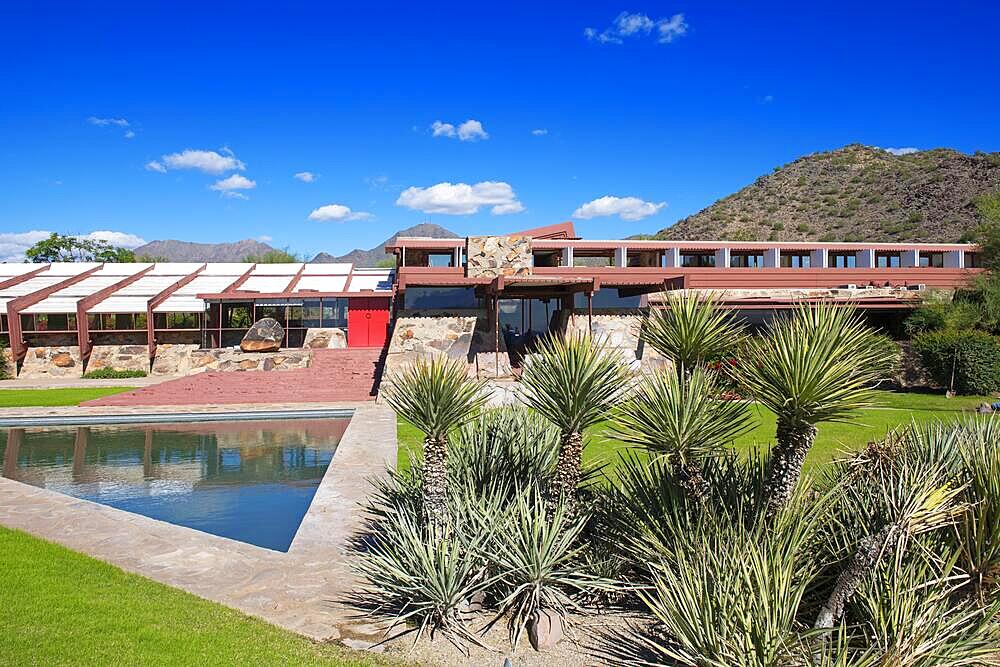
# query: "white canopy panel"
{"type": "Point", "coordinates": [184, 299]}
{"type": "Point", "coordinates": [66, 269]}
{"type": "Point", "coordinates": [226, 268]}
{"type": "Point", "coordinates": [11, 270]}
{"type": "Point", "coordinates": [334, 269]}
{"type": "Point", "coordinates": [64, 301]}
{"type": "Point", "coordinates": [30, 285]}
{"type": "Point", "coordinates": [321, 284]}
{"type": "Point", "coordinates": [371, 279]}
{"type": "Point", "coordinates": [175, 269]}
{"type": "Point", "coordinates": [276, 269]}
{"type": "Point", "coordinates": [266, 283]}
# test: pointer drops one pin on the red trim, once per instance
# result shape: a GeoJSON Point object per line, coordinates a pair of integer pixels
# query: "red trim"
{"type": "Point", "coordinates": [16, 280]}
{"type": "Point", "coordinates": [88, 302]}
{"type": "Point", "coordinates": [295, 280]}
{"type": "Point", "coordinates": [162, 296]}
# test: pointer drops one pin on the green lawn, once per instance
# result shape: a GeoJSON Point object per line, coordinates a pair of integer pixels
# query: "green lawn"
{"type": "Point", "coordinates": [23, 398]}
{"type": "Point", "coordinates": [895, 408]}
{"type": "Point", "coordinates": [58, 607]}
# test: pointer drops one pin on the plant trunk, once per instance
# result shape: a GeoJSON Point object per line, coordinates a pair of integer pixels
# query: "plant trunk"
{"type": "Point", "coordinates": [435, 491]}
{"type": "Point", "coordinates": [869, 550]}
{"type": "Point", "coordinates": [567, 476]}
{"type": "Point", "coordinates": [794, 443]}
{"type": "Point", "coordinates": [689, 476]}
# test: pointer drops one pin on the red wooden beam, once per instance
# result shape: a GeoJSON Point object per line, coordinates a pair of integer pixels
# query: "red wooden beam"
{"type": "Point", "coordinates": [160, 298]}
{"type": "Point", "coordinates": [88, 302]}
{"type": "Point", "coordinates": [15, 280]}
{"type": "Point", "coordinates": [295, 279]}
{"type": "Point", "coordinates": [18, 346]}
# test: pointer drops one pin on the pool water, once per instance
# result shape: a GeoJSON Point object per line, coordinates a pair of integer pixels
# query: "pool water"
{"type": "Point", "coordinates": [248, 481]}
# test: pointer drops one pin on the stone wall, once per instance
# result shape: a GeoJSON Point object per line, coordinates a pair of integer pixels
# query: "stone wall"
{"type": "Point", "coordinates": [622, 333]}
{"type": "Point", "coordinates": [235, 360]}
{"type": "Point", "coordinates": [119, 358]}
{"type": "Point", "coordinates": [493, 256]}
{"type": "Point", "coordinates": [173, 359]}
{"type": "Point", "coordinates": [466, 336]}
{"type": "Point", "coordinates": [326, 338]}
{"type": "Point", "coordinates": [52, 362]}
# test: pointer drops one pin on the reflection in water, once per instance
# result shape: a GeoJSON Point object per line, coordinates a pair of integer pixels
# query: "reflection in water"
{"type": "Point", "coordinates": [249, 481]}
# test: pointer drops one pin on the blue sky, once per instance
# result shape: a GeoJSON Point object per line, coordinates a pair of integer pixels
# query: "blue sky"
{"type": "Point", "coordinates": [621, 116]}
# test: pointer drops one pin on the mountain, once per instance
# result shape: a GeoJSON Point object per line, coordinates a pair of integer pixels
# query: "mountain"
{"type": "Point", "coordinates": [852, 194]}
{"type": "Point", "coordinates": [373, 256]}
{"type": "Point", "coordinates": [185, 251]}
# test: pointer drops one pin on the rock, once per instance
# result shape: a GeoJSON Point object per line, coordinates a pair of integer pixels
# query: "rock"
{"type": "Point", "coordinates": [264, 336]}
{"type": "Point", "coordinates": [985, 409]}
{"type": "Point", "coordinates": [63, 360]}
{"type": "Point", "coordinates": [545, 630]}
{"type": "Point", "coordinates": [325, 338]}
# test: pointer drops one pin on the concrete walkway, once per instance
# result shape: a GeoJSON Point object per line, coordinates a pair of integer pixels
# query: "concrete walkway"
{"type": "Point", "coordinates": [297, 590]}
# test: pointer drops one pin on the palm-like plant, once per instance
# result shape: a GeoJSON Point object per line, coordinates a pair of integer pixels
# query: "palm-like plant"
{"type": "Point", "coordinates": [683, 421]}
{"type": "Point", "coordinates": [813, 367]}
{"type": "Point", "coordinates": [692, 330]}
{"type": "Point", "coordinates": [573, 382]}
{"type": "Point", "coordinates": [437, 397]}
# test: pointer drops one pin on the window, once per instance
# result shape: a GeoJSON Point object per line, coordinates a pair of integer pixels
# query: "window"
{"type": "Point", "coordinates": [335, 312]}
{"type": "Point", "coordinates": [441, 297]}
{"type": "Point", "coordinates": [795, 260]}
{"type": "Point", "coordinates": [746, 260]}
{"type": "Point", "coordinates": [441, 259]}
{"type": "Point", "coordinates": [49, 322]}
{"type": "Point", "coordinates": [116, 321]}
{"type": "Point", "coordinates": [842, 260]}
{"type": "Point", "coordinates": [540, 258]}
{"type": "Point", "coordinates": [934, 260]}
{"type": "Point", "coordinates": [887, 260]}
{"type": "Point", "coordinates": [697, 259]}
{"type": "Point", "coordinates": [312, 313]}
{"type": "Point", "coordinates": [237, 315]}
{"type": "Point", "coordinates": [973, 260]}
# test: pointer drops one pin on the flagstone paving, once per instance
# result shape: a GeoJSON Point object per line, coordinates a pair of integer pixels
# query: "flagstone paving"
{"type": "Point", "coordinates": [298, 590]}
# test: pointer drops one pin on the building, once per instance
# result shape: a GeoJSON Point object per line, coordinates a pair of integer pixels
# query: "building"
{"type": "Point", "coordinates": [81, 308]}
{"type": "Point", "coordinates": [482, 298]}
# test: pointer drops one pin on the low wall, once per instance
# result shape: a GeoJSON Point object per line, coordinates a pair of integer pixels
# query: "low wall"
{"type": "Point", "coordinates": [621, 332]}
{"type": "Point", "coordinates": [462, 335]}
{"type": "Point", "coordinates": [52, 362]}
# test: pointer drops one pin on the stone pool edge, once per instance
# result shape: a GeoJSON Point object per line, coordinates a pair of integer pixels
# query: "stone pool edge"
{"type": "Point", "coordinates": [296, 590]}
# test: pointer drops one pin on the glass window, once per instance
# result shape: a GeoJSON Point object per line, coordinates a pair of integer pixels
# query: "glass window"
{"type": "Point", "coordinates": [440, 259]}
{"type": "Point", "coordinates": [49, 322]}
{"type": "Point", "coordinates": [237, 315]}
{"type": "Point", "coordinates": [695, 259]}
{"type": "Point", "coordinates": [335, 312]}
{"type": "Point", "coordinates": [441, 297]}
{"type": "Point", "coordinates": [745, 260]}
{"type": "Point", "coordinates": [934, 260]}
{"type": "Point", "coordinates": [606, 298]}
{"type": "Point", "coordinates": [887, 260]}
{"type": "Point", "coordinates": [843, 260]}
{"type": "Point", "coordinates": [182, 321]}
{"type": "Point", "coordinates": [312, 313]}
{"type": "Point", "coordinates": [973, 260]}
{"type": "Point", "coordinates": [795, 260]}
{"type": "Point", "coordinates": [275, 312]}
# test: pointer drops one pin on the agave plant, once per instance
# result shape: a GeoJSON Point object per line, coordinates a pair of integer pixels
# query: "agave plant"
{"type": "Point", "coordinates": [574, 382]}
{"type": "Point", "coordinates": [813, 367]}
{"type": "Point", "coordinates": [437, 397]}
{"type": "Point", "coordinates": [692, 330]}
{"type": "Point", "coordinates": [679, 417]}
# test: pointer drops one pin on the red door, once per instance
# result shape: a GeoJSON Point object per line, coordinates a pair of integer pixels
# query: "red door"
{"type": "Point", "coordinates": [367, 321]}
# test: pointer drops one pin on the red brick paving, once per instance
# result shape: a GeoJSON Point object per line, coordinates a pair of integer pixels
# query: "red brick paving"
{"type": "Point", "coordinates": [335, 375]}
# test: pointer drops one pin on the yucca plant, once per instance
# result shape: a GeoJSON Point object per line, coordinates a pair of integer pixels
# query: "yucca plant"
{"type": "Point", "coordinates": [437, 397]}
{"type": "Point", "coordinates": [574, 382]}
{"type": "Point", "coordinates": [816, 366]}
{"type": "Point", "coordinates": [692, 330]}
{"type": "Point", "coordinates": [679, 417]}
{"type": "Point", "coordinates": [535, 556]}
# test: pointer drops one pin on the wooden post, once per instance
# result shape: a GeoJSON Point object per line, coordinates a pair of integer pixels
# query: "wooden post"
{"type": "Point", "coordinates": [590, 312]}
{"type": "Point", "coordinates": [496, 334]}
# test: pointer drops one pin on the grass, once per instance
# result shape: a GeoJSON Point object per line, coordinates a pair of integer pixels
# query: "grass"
{"type": "Point", "coordinates": [58, 607]}
{"type": "Point", "coordinates": [24, 398]}
{"type": "Point", "coordinates": [894, 409]}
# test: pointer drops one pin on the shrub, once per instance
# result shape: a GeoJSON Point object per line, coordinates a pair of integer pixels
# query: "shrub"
{"type": "Point", "coordinates": [891, 354]}
{"type": "Point", "coordinates": [5, 371]}
{"type": "Point", "coordinates": [967, 361]}
{"type": "Point", "coordinates": [113, 374]}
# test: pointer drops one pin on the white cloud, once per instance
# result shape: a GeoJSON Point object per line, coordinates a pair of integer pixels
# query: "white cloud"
{"type": "Point", "coordinates": [306, 176]}
{"type": "Point", "coordinates": [540, 132]}
{"type": "Point", "coordinates": [439, 129]}
{"type": "Point", "coordinates": [230, 187]}
{"type": "Point", "coordinates": [626, 208]}
{"type": "Point", "coordinates": [901, 151]}
{"type": "Point", "coordinates": [337, 213]}
{"type": "Point", "coordinates": [767, 99]}
{"type": "Point", "coordinates": [628, 25]}
{"type": "Point", "coordinates": [13, 245]}
{"type": "Point", "coordinates": [264, 238]}
{"type": "Point", "coordinates": [209, 162]}
{"type": "Point", "coordinates": [104, 122]}
{"type": "Point", "coordinates": [129, 134]}
{"type": "Point", "coordinates": [470, 130]}
{"type": "Point", "coordinates": [462, 198]}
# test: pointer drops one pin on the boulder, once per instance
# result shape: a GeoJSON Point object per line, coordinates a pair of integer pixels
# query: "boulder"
{"type": "Point", "coordinates": [319, 339]}
{"type": "Point", "coordinates": [264, 336]}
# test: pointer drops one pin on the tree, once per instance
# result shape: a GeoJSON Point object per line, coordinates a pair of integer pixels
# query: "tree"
{"type": "Point", "coordinates": [273, 256]}
{"type": "Point", "coordinates": [573, 382]}
{"type": "Point", "coordinates": [816, 366]}
{"type": "Point", "coordinates": [437, 397]}
{"type": "Point", "coordinates": [63, 248]}
{"type": "Point", "coordinates": [678, 416]}
{"type": "Point", "coordinates": [692, 330]}
{"type": "Point", "coordinates": [988, 234]}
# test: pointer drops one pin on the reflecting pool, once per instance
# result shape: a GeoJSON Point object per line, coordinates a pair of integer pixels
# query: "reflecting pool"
{"type": "Point", "coordinates": [248, 481]}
